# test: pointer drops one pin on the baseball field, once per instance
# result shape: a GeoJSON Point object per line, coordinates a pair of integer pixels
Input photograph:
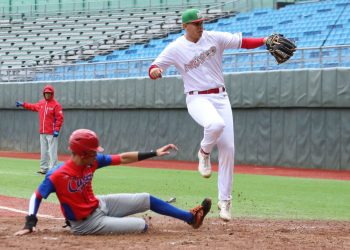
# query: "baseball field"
{"type": "Point", "coordinates": [273, 208]}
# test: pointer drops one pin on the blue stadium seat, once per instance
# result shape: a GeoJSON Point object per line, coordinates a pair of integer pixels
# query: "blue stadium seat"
{"type": "Point", "coordinates": [314, 24]}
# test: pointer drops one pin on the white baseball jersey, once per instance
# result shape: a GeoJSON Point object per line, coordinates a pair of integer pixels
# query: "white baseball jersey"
{"type": "Point", "coordinates": [200, 63]}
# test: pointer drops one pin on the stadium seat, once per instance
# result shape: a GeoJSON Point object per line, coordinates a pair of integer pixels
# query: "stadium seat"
{"type": "Point", "coordinates": [103, 37]}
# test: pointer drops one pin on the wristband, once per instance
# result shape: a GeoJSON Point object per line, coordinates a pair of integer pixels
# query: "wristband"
{"type": "Point", "coordinates": [149, 71]}
{"type": "Point", "coordinates": [146, 155]}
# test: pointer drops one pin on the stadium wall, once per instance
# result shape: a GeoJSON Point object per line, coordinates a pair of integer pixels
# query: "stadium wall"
{"type": "Point", "coordinates": [295, 118]}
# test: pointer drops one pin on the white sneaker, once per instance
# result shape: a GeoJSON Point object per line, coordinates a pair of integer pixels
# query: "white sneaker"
{"type": "Point", "coordinates": [204, 166]}
{"type": "Point", "coordinates": [225, 210]}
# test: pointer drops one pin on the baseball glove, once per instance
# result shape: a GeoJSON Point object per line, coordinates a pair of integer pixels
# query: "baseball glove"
{"type": "Point", "coordinates": [280, 47]}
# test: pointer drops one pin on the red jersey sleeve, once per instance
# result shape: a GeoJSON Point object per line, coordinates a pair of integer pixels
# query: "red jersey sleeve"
{"type": "Point", "coordinates": [252, 43]}
{"type": "Point", "coordinates": [116, 159]}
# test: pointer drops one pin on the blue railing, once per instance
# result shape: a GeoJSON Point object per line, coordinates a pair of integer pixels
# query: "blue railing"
{"type": "Point", "coordinates": [316, 57]}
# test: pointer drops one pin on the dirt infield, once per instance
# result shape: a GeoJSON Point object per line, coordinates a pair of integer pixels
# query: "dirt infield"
{"type": "Point", "coordinates": [168, 233]}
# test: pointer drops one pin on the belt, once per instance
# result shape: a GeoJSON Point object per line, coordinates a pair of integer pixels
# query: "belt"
{"type": "Point", "coordinates": [208, 91]}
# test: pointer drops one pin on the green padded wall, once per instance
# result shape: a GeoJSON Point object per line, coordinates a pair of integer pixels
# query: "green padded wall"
{"type": "Point", "coordinates": [298, 118]}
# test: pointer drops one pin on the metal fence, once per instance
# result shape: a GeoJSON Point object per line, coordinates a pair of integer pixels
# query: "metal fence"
{"type": "Point", "coordinates": [260, 60]}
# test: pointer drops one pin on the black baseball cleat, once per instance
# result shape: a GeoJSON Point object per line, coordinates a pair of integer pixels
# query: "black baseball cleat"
{"type": "Point", "coordinates": [43, 172]}
{"type": "Point", "coordinates": [200, 212]}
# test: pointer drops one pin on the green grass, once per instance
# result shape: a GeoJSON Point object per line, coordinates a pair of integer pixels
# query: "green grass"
{"type": "Point", "coordinates": [254, 196]}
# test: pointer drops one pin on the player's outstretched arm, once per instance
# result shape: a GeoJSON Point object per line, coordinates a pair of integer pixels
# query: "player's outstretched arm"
{"type": "Point", "coordinates": [31, 220]}
{"type": "Point", "coordinates": [130, 157]}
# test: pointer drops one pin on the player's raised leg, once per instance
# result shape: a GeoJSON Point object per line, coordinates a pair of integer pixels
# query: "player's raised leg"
{"type": "Point", "coordinates": [204, 113]}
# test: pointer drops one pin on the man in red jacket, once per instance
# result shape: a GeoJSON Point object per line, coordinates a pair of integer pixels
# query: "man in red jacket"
{"type": "Point", "coordinates": [50, 120]}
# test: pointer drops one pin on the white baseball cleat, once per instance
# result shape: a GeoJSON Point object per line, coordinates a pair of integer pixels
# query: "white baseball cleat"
{"type": "Point", "coordinates": [204, 166]}
{"type": "Point", "coordinates": [225, 210]}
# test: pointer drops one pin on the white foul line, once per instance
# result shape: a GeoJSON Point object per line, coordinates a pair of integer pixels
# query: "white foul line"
{"type": "Point", "coordinates": [25, 212]}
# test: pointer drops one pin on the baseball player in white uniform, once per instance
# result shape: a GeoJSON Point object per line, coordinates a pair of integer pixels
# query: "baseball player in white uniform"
{"type": "Point", "coordinates": [197, 55]}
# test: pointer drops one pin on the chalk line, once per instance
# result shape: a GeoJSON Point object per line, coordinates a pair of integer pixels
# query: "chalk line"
{"type": "Point", "coordinates": [26, 212]}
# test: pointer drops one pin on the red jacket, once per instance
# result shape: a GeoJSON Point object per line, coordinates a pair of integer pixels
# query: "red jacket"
{"type": "Point", "coordinates": [50, 112]}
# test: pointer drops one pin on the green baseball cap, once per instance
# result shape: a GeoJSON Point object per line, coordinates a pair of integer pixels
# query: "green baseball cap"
{"type": "Point", "coordinates": [192, 16]}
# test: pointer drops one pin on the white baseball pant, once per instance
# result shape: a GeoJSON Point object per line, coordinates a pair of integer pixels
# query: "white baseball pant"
{"type": "Point", "coordinates": [214, 113]}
